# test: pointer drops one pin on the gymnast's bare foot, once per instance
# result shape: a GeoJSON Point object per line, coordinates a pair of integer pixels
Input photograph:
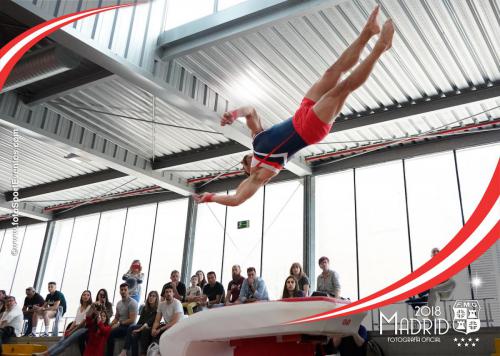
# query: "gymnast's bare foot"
{"type": "Point", "coordinates": [385, 40]}
{"type": "Point", "coordinates": [372, 27]}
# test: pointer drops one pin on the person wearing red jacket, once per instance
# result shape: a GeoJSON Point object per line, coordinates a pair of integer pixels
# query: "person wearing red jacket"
{"type": "Point", "coordinates": [98, 331]}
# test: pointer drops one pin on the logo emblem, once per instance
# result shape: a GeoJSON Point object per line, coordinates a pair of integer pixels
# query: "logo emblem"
{"type": "Point", "coordinates": [466, 316]}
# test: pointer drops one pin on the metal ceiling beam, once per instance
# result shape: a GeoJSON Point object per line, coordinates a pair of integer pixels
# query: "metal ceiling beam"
{"type": "Point", "coordinates": [199, 154]}
{"type": "Point", "coordinates": [410, 150]}
{"type": "Point", "coordinates": [419, 107]}
{"type": "Point", "coordinates": [25, 209]}
{"type": "Point", "coordinates": [152, 83]}
{"type": "Point", "coordinates": [76, 84]}
{"type": "Point", "coordinates": [66, 184]}
{"type": "Point", "coordinates": [45, 124]}
{"type": "Point", "coordinates": [248, 17]}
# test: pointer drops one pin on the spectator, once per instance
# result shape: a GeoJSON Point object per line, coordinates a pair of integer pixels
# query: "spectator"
{"type": "Point", "coordinates": [234, 286]}
{"type": "Point", "coordinates": [328, 281]}
{"type": "Point", "coordinates": [213, 292]}
{"type": "Point", "coordinates": [3, 295]}
{"type": "Point", "coordinates": [193, 295]}
{"type": "Point", "coordinates": [171, 312]}
{"type": "Point", "coordinates": [303, 281]}
{"type": "Point", "coordinates": [103, 300]}
{"type": "Point", "coordinates": [134, 278]}
{"type": "Point", "coordinates": [291, 289]}
{"type": "Point", "coordinates": [201, 279]}
{"type": "Point", "coordinates": [443, 290]}
{"type": "Point", "coordinates": [143, 327]}
{"type": "Point", "coordinates": [178, 287]}
{"type": "Point", "coordinates": [98, 327]}
{"type": "Point", "coordinates": [50, 308]}
{"type": "Point", "coordinates": [11, 322]}
{"type": "Point", "coordinates": [76, 330]}
{"type": "Point", "coordinates": [126, 312]}
{"type": "Point", "coordinates": [253, 288]}
{"type": "Point", "coordinates": [32, 299]}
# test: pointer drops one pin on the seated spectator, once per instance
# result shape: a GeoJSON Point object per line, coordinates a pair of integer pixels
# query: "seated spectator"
{"type": "Point", "coordinates": [253, 288]}
{"type": "Point", "coordinates": [97, 323]}
{"type": "Point", "coordinates": [126, 312]}
{"type": "Point", "coordinates": [50, 308]}
{"type": "Point", "coordinates": [171, 312]}
{"type": "Point", "coordinates": [32, 299]}
{"type": "Point", "coordinates": [102, 300]}
{"type": "Point", "coordinates": [201, 279]}
{"type": "Point", "coordinates": [193, 295]}
{"type": "Point", "coordinates": [301, 277]}
{"type": "Point", "coordinates": [328, 281]}
{"type": "Point", "coordinates": [134, 278]}
{"type": "Point", "coordinates": [3, 295]}
{"type": "Point", "coordinates": [443, 290]}
{"type": "Point", "coordinates": [291, 289]}
{"type": "Point", "coordinates": [346, 345]}
{"type": "Point", "coordinates": [142, 330]}
{"type": "Point", "coordinates": [76, 330]}
{"type": "Point", "coordinates": [178, 287]}
{"type": "Point", "coordinates": [234, 286]}
{"type": "Point", "coordinates": [213, 292]}
{"type": "Point", "coordinates": [11, 322]}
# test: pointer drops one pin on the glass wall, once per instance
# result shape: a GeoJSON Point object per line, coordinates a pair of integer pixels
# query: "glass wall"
{"type": "Point", "coordinates": [168, 245]}
{"type": "Point", "coordinates": [283, 234]}
{"type": "Point", "coordinates": [9, 255]}
{"type": "Point", "coordinates": [336, 229]}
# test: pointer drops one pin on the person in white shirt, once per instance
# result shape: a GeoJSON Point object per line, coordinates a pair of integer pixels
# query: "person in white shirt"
{"type": "Point", "coordinates": [76, 331]}
{"type": "Point", "coordinates": [11, 323]}
{"type": "Point", "coordinates": [171, 312]}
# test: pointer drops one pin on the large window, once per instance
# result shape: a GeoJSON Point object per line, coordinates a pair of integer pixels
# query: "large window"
{"type": "Point", "coordinates": [283, 234]}
{"type": "Point", "coordinates": [209, 239]}
{"type": "Point", "coordinates": [168, 244]}
{"type": "Point", "coordinates": [58, 253]}
{"type": "Point", "coordinates": [224, 4]}
{"type": "Point", "coordinates": [107, 251]}
{"type": "Point", "coordinates": [180, 12]}
{"type": "Point", "coordinates": [383, 246]}
{"type": "Point", "coordinates": [137, 242]}
{"type": "Point", "coordinates": [9, 255]}
{"type": "Point", "coordinates": [81, 250]}
{"type": "Point", "coordinates": [336, 229]}
{"type": "Point", "coordinates": [243, 245]}
{"type": "Point", "coordinates": [28, 259]}
{"type": "Point", "coordinates": [432, 179]}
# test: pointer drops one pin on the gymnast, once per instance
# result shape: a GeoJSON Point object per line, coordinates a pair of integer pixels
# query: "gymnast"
{"type": "Point", "coordinates": [312, 122]}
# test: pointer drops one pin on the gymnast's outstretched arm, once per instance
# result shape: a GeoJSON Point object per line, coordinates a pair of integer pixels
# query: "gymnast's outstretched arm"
{"type": "Point", "coordinates": [245, 190]}
{"type": "Point", "coordinates": [249, 113]}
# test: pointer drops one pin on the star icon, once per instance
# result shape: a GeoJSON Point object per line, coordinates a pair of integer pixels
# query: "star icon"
{"type": "Point", "coordinates": [470, 339]}
{"type": "Point", "coordinates": [462, 339]}
{"type": "Point", "coordinates": [466, 344]}
{"type": "Point", "coordinates": [473, 344]}
{"type": "Point", "coordinates": [477, 339]}
{"type": "Point", "coordinates": [459, 344]}
{"type": "Point", "coordinates": [455, 339]}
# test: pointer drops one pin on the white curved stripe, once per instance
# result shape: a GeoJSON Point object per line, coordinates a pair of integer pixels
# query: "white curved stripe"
{"type": "Point", "coordinates": [18, 46]}
{"type": "Point", "coordinates": [475, 238]}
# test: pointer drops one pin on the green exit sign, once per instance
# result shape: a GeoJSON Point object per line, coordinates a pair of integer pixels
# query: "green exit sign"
{"type": "Point", "coordinates": [243, 224]}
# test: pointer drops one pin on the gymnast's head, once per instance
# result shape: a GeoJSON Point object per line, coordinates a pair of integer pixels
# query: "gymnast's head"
{"type": "Point", "coordinates": [247, 163]}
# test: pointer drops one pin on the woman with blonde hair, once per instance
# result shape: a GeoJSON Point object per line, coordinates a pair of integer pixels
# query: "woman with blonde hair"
{"type": "Point", "coordinates": [303, 282]}
{"type": "Point", "coordinates": [134, 278]}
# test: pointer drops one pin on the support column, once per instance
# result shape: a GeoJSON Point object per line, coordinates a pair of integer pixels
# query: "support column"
{"type": "Point", "coordinates": [44, 255]}
{"type": "Point", "coordinates": [187, 258]}
{"type": "Point", "coordinates": [309, 235]}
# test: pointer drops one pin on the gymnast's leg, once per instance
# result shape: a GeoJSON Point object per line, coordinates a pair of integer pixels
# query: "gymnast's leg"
{"type": "Point", "coordinates": [346, 61]}
{"type": "Point", "coordinates": [330, 104]}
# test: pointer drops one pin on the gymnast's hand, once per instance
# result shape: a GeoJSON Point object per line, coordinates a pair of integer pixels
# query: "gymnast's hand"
{"type": "Point", "coordinates": [228, 118]}
{"type": "Point", "coordinates": [203, 198]}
